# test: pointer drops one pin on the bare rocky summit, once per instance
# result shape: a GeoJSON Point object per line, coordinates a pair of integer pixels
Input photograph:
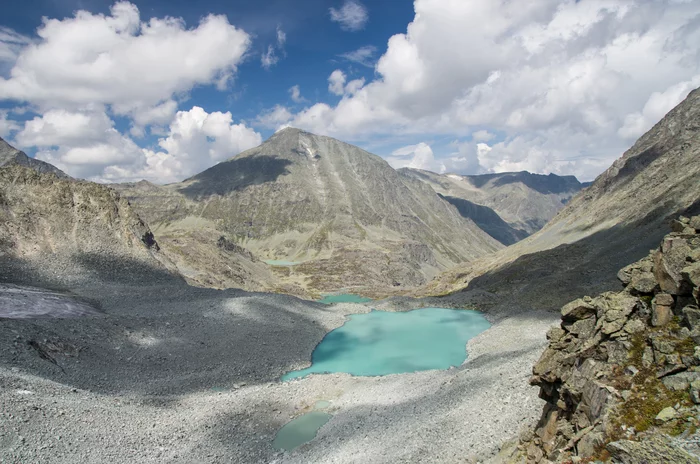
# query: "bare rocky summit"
{"type": "Point", "coordinates": [345, 215]}
{"type": "Point", "coordinates": [621, 374]}
{"type": "Point", "coordinates": [11, 156]}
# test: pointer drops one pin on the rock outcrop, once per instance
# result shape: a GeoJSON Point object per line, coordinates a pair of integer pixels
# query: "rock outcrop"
{"type": "Point", "coordinates": [11, 156]}
{"type": "Point", "coordinates": [621, 374]}
{"type": "Point", "coordinates": [56, 231]}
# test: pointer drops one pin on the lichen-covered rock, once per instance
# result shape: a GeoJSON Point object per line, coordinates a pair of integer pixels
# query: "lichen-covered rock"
{"type": "Point", "coordinates": [624, 362]}
{"type": "Point", "coordinates": [662, 309]}
{"type": "Point", "coordinates": [578, 309]}
{"type": "Point", "coordinates": [655, 450]}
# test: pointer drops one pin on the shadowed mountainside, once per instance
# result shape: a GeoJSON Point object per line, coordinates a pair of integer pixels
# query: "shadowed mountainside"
{"type": "Point", "coordinates": [616, 220]}
{"type": "Point", "coordinates": [524, 201]}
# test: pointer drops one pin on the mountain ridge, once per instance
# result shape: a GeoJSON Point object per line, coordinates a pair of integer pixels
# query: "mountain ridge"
{"type": "Point", "coordinates": [323, 203]}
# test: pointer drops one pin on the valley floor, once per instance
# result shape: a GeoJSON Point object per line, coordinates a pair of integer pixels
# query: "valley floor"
{"type": "Point", "coordinates": [172, 373]}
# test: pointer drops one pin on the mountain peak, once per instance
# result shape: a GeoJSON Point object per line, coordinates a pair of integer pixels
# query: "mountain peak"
{"type": "Point", "coordinates": [11, 155]}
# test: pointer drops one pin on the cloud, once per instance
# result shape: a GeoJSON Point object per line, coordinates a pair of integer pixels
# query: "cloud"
{"type": "Point", "coordinates": [336, 82]}
{"type": "Point", "coordinates": [7, 125]}
{"type": "Point", "coordinates": [419, 156]}
{"type": "Point", "coordinates": [576, 70]}
{"type": "Point", "coordinates": [352, 16]}
{"type": "Point", "coordinates": [295, 94]}
{"type": "Point", "coordinates": [482, 136]}
{"type": "Point", "coordinates": [281, 37]}
{"type": "Point", "coordinates": [363, 56]}
{"type": "Point", "coordinates": [196, 140]}
{"type": "Point", "coordinates": [118, 59]}
{"type": "Point", "coordinates": [11, 43]}
{"type": "Point", "coordinates": [274, 118]}
{"type": "Point", "coordinates": [85, 144]}
{"type": "Point", "coordinates": [269, 58]}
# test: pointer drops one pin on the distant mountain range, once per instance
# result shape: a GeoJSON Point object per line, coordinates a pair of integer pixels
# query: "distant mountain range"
{"type": "Point", "coordinates": [508, 206]}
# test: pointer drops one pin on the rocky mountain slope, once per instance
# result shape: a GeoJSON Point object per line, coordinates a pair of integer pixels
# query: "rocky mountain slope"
{"type": "Point", "coordinates": [510, 205]}
{"type": "Point", "coordinates": [344, 215]}
{"type": "Point", "coordinates": [622, 215]}
{"type": "Point", "coordinates": [56, 231]}
{"type": "Point", "coordinates": [11, 156]}
{"type": "Point", "coordinates": [622, 372]}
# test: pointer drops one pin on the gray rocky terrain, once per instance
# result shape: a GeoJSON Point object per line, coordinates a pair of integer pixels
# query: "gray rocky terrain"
{"type": "Point", "coordinates": [349, 218]}
{"type": "Point", "coordinates": [509, 206]}
{"type": "Point", "coordinates": [172, 373]}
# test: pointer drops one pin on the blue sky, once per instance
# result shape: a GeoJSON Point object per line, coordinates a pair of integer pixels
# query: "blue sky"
{"type": "Point", "coordinates": [115, 91]}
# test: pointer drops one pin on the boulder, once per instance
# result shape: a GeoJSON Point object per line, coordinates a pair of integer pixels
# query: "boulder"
{"type": "Point", "coordinates": [691, 276]}
{"type": "Point", "coordinates": [661, 309]}
{"type": "Point", "coordinates": [653, 450]}
{"type": "Point", "coordinates": [680, 381]}
{"type": "Point", "coordinates": [665, 415]}
{"type": "Point", "coordinates": [643, 282]}
{"type": "Point", "coordinates": [695, 391]}
{"type": "Point", "coordinates": [691, 316]}
{"type": "Point", "coordinates": [668, 264]}
{"type": "Point", "coordinates": [695, 223]}
{"type": "Point", "coordinates": [576, 310]}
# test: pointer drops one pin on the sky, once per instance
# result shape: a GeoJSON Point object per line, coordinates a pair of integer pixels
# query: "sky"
{"type": "Point", "coordinates": [163, 89]}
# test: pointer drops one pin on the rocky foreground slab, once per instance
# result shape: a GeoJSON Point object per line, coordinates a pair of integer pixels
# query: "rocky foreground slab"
{"type": "Point", "coordinates": [621, 374]}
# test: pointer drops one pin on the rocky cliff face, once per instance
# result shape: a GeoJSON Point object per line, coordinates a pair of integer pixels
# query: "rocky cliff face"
{"type": "Point", "coordinates": [519, 203]}
{"type": "Point", "coordinates": [621, 375]}
{"type": "Point", "coordinates": [56, 231]}
{"type": "Point", "coordinates": [345, 214]}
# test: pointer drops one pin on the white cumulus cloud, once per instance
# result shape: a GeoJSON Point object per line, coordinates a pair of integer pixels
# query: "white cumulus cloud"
{"type": "Point", "coordinates": [582, 71]}
{"type": "Point", "coordinates": [295, 94]}
{"type": "Point", "coordinates": [119, 59]}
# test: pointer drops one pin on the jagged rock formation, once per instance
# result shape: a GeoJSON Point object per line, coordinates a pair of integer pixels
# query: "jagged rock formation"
{"type": "Point", "coordinates": [54, 231]}
{"type": "Point", "coordinates": [344, 214]}
{"type": "Point", "coordinates": [624, 367]}
{"type": "Point", "coordinates": [616, 220]}
{"type": "Point", "coordinates": [509, 206]}
{"type": "Point", "coordinates": [10, 155]}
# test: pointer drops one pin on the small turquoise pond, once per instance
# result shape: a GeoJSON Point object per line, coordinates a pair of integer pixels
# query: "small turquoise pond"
{"type": "Point", "coordinates": [281, 262]}
{"type": "Point", "coordinates": [300, 430]}
{"type": "Point", "coordinates": [381, 343]}
{"type": "Point", "coordinates": [344, 298]}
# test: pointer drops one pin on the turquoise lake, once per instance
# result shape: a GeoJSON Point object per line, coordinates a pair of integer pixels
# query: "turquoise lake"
{"type": "Point", "coordinates": [281, 262]}
{"type": "Point", "coordinates": [344, 298]}
{"type": "Point", "coordinates": [381, 343]}
{"type": "Point", "coordinates": [300, 430]}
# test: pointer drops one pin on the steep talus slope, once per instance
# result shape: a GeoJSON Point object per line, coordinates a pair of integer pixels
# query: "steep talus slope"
{"type": "Point", "coordinates": [622, 215]}
{"type": "Point", "coordinates": [622, 372]}
{"type": "Point", "coordinates": [10, 155]}
{"type": "Point", "coordinates": [523, 202]}
{"type": "Point", "coordinates": [58, 231]}
{"type": "Point", "coordinates": [345, 214]}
